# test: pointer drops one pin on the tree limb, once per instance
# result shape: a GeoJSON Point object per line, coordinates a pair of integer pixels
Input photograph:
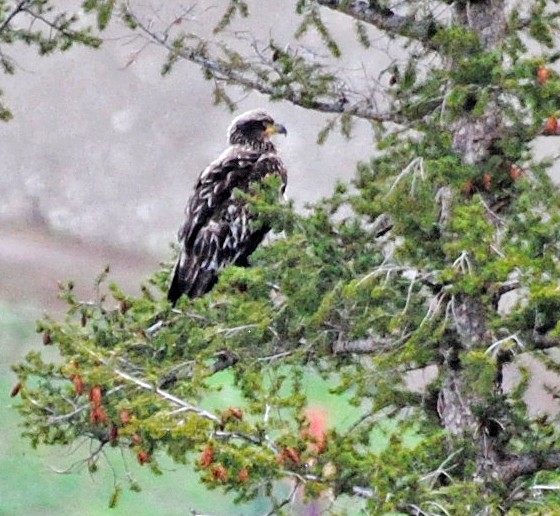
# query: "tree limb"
{"type": "Point", "coordinates": [288, 500]}
{"type": "Point", "coordinates": [224, 72]}
{"type": "Point", "coordinates": [384, 19]}
{"type": "Point", "coordinates": [381, 225]}
{"type": "Point", "coordinates": [61, 25]}
{"type": "Point", "coordinates": [527, 464]}
{"type": "Point", "coordinates": [184, 405]}
{"type": "Point", "coordinates": [362, 346]}
{"type": "Point", "coordinates": [21, 6]}
{"type": "Point", "coordinates": [544, 340]}
{"type": "Point", "coordinates": [184, 371]}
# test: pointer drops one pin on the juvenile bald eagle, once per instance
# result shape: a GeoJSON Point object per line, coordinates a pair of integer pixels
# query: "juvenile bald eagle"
{"type": "Point", "coordinates": [219, 229]}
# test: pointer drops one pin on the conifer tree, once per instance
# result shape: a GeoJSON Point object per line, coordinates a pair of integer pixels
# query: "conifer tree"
{"type": "Point", "coordinates": [405, 269]}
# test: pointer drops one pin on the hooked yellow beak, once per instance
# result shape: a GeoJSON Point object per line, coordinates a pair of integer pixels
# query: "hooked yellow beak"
{"type": "Point", "coordinates": [275, 129]}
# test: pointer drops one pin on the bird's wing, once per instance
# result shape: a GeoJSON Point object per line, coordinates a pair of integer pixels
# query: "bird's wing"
{"type": "Point", "coordinates": [214, 187]}
{"type": "Point", "coordinates": [268, 165]}
{"type": "Point", "coordinates": [219, 228]}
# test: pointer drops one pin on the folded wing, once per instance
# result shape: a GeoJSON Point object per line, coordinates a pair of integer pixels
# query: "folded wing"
{"type": "Point", "coordinates": [219, 228]}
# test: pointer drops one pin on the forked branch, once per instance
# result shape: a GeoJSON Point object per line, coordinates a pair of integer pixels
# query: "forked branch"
{"type": "Point", "coordinates": [249, 79]}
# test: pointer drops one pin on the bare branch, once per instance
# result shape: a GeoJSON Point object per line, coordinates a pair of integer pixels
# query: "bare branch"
{"type": "Point", "coordinates": [185, 405]}
{"type": "Point", "coordinates": [363, 492]}
{"type": "Point", "coordinates": [508, 286]}
{"type": "Point", "coordinates": [544, 340]}
{"type": "Point", "coordinates": [247, 437]}
{"type": "Point", "coordinates": [185, 371]}
{"type": "Point", "coordinates": [381, 225]}
{"type": "Point", "coordinates": [195, 513]}
{"type": "Point", "coordinates": [498, 346]}
{"type": "Point", "coordinates": [416, 168]}
{"type": "Point", "coordinates": [78, 464]}
{"type": "Point", "coordinates": [224, 360]}
{"type": "Point", "coordinates": [362, 346]}
{"type": "Point", "coordinates": [443, 469]}
{"type": "Point", "coordinates": [289, 499]}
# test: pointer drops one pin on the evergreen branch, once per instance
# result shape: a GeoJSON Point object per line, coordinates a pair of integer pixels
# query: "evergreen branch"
{"type": "Point", "coordinates": [62, 28]}
{"type": "Point", "coordinates": [184, 405]}
{"type": "Point", "coordinates": [224, 360]}
{"type": "Point", "coordinates": [63, 418]}
{"type": "Point", "coordinates": [363, 346]}
{"type": "Point", "coordinates": [251, 438]}
{"type": "Point", "coordinates": [224, 72]}
{"type": "Point", "coordinates": [18, 9]}
{"type": "Point", "coordinates": [188, 407]}
{"type": "Point", "coordinates": [384, 19]}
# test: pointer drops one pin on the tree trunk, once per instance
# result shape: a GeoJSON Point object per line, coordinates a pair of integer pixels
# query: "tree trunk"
{"type": "Point", "coordinates": [472, 140]}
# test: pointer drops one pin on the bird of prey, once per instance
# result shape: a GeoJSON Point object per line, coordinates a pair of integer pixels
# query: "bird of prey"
{"type": "Point", "coordinates": [219, 228]}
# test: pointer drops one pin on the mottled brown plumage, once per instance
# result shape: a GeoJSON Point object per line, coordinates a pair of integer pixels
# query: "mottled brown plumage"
{"type": "Point", "coordinates": [219, 229]}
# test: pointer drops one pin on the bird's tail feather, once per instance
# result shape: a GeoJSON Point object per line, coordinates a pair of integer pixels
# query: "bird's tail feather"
{"type": "Point", "coordinates": [176, 287]}
{"type": "Point", "coordinates": [189, 278]}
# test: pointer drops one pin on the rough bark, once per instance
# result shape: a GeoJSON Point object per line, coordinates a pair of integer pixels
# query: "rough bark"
{"type": "Point", "coordinates": [515, 466]}
{"type": "Point", "coordinates": [470, 321]}
{"type": "Point", "coordinates": [472, 139]}
{"type": "Point", "coordinates": [457, 402]}
{"type": "Point", "coordinates": [454, 404]}
{"type": "Point", "coordinates": [486, 17]}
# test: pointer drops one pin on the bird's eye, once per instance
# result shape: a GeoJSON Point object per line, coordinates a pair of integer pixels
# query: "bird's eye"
{"type": "Point", "coordinates": [255, 125]}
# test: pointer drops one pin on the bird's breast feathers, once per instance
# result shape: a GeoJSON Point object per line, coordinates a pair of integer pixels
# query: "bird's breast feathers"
{"type": "Point", "coordinates": [237, 168]}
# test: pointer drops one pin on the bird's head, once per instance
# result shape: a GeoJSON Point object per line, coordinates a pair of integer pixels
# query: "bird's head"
{"type": "Point", "coordinates": [254, 129]}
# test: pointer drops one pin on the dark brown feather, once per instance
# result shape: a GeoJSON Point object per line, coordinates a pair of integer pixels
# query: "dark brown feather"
{"type": "Point", "coordinates": [219, 229]}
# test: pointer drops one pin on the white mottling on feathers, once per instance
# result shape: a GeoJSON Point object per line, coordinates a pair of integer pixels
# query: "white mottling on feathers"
{"type": "Point", "coordinates": [219, 229]}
